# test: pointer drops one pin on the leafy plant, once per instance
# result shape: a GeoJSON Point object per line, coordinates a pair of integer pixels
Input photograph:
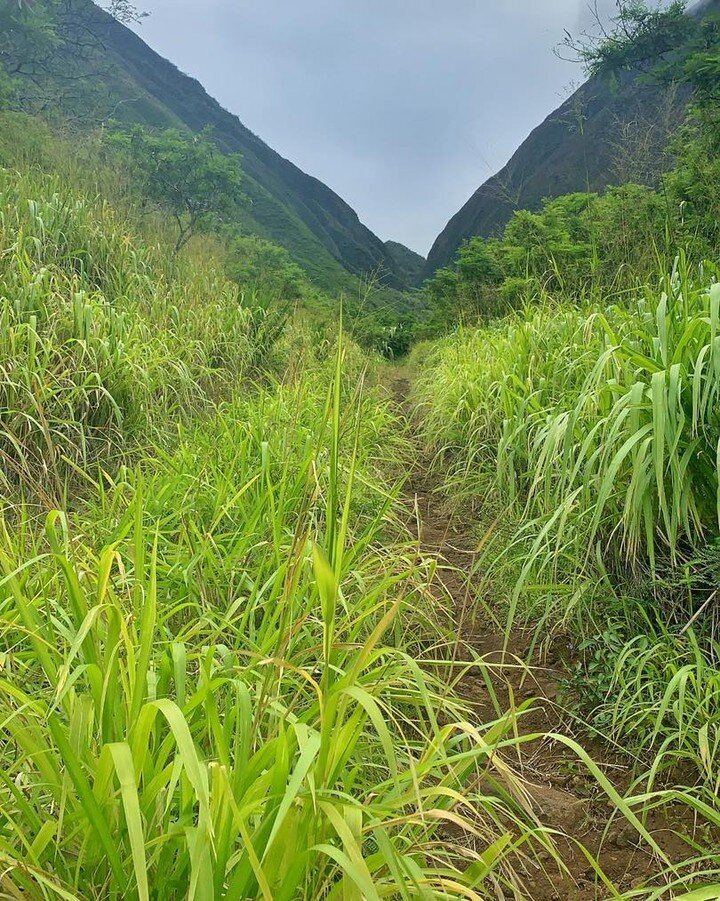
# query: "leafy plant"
{"type": "Point", "coordinates": [184, 173]}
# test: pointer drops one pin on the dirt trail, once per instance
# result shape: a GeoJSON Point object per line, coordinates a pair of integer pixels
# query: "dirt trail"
{"type": "Point", "coordinates": [566, 797]}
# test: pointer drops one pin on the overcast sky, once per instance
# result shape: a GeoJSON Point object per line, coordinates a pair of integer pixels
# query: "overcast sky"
{"type": "Point", "coordinates": [404, 107]}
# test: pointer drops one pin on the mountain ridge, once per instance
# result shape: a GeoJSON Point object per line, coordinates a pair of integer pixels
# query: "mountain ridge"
{"type": "Point", "coordinates": [583, 129]}
{"type": "Point", "coordinates": [288, 206]}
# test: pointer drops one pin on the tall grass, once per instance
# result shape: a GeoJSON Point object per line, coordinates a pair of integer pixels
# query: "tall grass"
{"type": "Point", "coordinates": [599, 426]}
{"type": "Point", "coordinates": [101, 340]}
{"type": "Point", "coordinates": [223, 673]}
{"type": "Point", "coordinates": [236, 693]}
{"type": "Point", "coordinates": [587, 441]}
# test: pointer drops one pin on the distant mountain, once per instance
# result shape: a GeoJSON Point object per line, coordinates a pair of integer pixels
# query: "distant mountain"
{"type": "Point", "coordinates": [604, 134]}
{"type": "Point", "coordinates": [408, 264]}
{"type": "Point", "coordinates": [319, 229]}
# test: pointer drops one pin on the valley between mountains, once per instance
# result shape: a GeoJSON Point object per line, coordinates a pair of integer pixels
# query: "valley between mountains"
{"type": "Point", "coordinates": [329, 572]}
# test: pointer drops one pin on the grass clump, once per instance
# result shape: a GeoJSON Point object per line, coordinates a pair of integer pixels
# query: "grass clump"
{"type": "Point", "coordinates": [586, 440]}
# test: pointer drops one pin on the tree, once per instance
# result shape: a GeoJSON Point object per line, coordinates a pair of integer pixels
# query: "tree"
{"type": "Point", "coordinates": [638, 38]}
{"type": "Point", "coordinates": [266, 267]}
{"type": "Point", "coordinates": [477, 262]}
{"type": "Point", "coordinates": [123, 10]}
{"type": "Point", "coordinates": [554, 246]}
{"type": "Point", "coordinates": [469, 288]}
{"type": "Point", "coordinates": [50, 49]}
{"type": "Point", "coordinates": [184, 173]}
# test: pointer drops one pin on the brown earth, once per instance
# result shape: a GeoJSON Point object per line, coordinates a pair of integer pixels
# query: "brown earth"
{"type": "Point", "coordinates": [565, 796]}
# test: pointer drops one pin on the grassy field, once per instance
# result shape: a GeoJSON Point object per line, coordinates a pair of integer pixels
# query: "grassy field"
{"type": "Point", "coordinates": [224, 674]}
{"type": "Point", "coordinates": [227, 667]}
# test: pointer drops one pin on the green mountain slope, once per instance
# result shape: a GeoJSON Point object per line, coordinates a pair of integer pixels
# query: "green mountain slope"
{"type": "Point", "coordinates": [408, 264]}
{"type": "Point", "coordinates": [602, 135]}
{"type": "Point", "coordinates": [138, 86]}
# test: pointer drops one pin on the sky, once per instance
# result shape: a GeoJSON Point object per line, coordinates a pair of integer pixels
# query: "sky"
{"type": "Point", "coordinates": [403, 107]}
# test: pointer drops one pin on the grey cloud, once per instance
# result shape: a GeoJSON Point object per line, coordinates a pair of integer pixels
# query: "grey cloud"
{"type": "Point", "coordinates": [401, 106]}
{"type": "Point", "coordinates": [593, 11]}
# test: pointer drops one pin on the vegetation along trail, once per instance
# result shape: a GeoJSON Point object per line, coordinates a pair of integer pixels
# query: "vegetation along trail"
{"type": "Point", "coordinates": [327, 574]}
{"type": "Point", "coordinates": [515, 673]}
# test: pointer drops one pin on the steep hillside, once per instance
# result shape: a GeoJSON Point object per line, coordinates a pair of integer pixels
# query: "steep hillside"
{"type": "Point", "coordinates": [604, 134]}
{"type": "Point", "coordinates": [409, 265]}
{"type": "Point", "coordinates": [126, 80]}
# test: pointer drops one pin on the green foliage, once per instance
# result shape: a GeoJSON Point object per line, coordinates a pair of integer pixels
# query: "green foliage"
{"type": "Point", "coordinates": [228, 696]}
{"type": "Point", "coordinates": [27, 31]}
{"type": "Point", "coordinates": [225, 671]}
{"type": "Point", "coordinates": [553, 245]}
{"type": "Point", "coordinates": [470, 287]}
{"type": "Point", "coordinates": [587, 440]}
{"type": "Point", "coordinates": [266, 266]}
{"type": "Point", "coordinates": [584, 431]}
{"type": "Point", "coordinates": [585, 245]}
{"type": "Point", "coordinates": [408, 264]}
{"type": "Point", "coordinates": [608, 413]}
{"type": "Point", "coordinates": [184, 173]}
{"type": "Point", "coordinates": [576, 245]}
{"type": "Point", "coordinates": [90, 81]}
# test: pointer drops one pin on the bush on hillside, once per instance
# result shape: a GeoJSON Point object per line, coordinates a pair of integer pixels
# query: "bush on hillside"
{"type": "Point", "coordinates": [101, 339]}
